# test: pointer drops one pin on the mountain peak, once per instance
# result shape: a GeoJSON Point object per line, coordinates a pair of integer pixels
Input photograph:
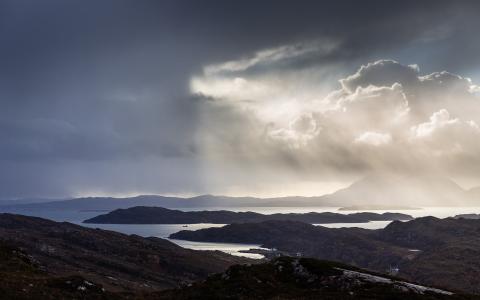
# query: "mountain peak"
{"type": "Point", "coordinates": [386, 188]}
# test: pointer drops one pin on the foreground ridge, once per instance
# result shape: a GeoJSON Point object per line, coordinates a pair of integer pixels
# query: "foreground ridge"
{"type": "Point", "coordinates": [117, 261]}
{"type": "Point", "coordinates": [305, 278]}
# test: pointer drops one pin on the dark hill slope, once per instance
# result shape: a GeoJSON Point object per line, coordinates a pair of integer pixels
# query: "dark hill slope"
{"type": "Point", "coordinates": [292, 278]}
{"type": "Point", "coordinates": [21, 278]}
{"type": "Point", "coordinates": [350, 245]}
{"type": "Point", "coordinates": [449, 251]}
{"type": "Point", "coordinates": [440, 252]}
{"type": "Point", "coordinates": [117, 261]}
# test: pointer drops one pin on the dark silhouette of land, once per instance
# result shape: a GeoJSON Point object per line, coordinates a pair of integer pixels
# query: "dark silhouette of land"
{"type": "Point", "coordinates": [160, 215]}
{"type": "Point", "coordinates": [428, 250]}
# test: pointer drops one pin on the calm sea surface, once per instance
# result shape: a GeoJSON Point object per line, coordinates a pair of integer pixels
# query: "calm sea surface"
{"type": "Point", "coordinates": [164, 230]}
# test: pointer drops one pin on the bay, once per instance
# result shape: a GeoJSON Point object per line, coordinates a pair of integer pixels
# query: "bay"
{"type": "Point", "coordinates": [164, 230]}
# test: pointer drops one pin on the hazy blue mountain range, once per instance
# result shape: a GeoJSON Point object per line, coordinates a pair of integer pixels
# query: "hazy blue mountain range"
{"type": "Point", "coordinates": [376, 189]}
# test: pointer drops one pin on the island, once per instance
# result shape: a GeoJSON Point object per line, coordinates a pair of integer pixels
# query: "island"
{"type": "Point", "coordinates": [160, 215]}
{"type": "Point", "coordinates": [467, 216]}
{"type": "Point", "coordinates": [376, 207]}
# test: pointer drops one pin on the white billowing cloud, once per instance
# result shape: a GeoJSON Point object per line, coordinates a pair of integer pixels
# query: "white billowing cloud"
{"type": "Point", "coordinates": [300, 131]}
{"type": "Point", "coordinates": [438, 120]}
{"type": "Point", "coordinates": [448, 138]}
{"type": "Point", "coordinates": [374, 138]}
{"type": "Point", "coordinates": [372, 106]}
{"type": "Point", "coordinates": [386, 116]}
{"type": "Point", "coordinates": [381, 73]}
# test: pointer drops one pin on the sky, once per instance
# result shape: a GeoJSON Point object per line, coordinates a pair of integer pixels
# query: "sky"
{"type": "Point", "coordinates": [262, 98]}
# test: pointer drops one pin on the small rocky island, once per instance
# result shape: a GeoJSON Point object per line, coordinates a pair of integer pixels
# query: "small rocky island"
{"type": "Point", "coordinates": [376, 207]}
{"type": "Point", "coordinates": [160, 215]}
{"type": "Point", "coordinates": [468, 216]}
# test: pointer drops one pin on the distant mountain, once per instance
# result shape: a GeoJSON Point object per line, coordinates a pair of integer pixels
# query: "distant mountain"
{"type": "Point", "coordinates": [388, 189]}
{"type": "Point", "coordinates": [305, 278]}
{"type": "Point", "coordinates": [374, 190]}
{"type": "Point", "coordinates": [27, 201]}
{"type": "Point", "coordinates": [428, 250]}
{"type": "Point", "coordinates": [110, 203]}
{"type": "Point", "coordinates": [160, 215]}
{"type": "Point", "coordinates": [116, 261]}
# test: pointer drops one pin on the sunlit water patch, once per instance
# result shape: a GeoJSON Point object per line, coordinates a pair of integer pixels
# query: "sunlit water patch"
{"type": "Point", "coordinates": [147, 230]}
{"type": "Point", "coordinates": [164, 231]}
{"type": "Point", "coordinates": [230, 248]}
{"type": "Point", "coordinates": [369, 225]}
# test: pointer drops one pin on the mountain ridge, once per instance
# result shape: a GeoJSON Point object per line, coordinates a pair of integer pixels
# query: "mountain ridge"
{"type": "Point", "coordinates": [373, 189]}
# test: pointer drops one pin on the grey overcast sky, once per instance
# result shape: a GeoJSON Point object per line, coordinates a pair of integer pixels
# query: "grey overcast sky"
{"type": "Point", "coordinates": [234, 97]}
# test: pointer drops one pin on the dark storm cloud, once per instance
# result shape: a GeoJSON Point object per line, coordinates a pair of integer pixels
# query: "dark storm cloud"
{"type": "Point", "coordinates": [106, 83]}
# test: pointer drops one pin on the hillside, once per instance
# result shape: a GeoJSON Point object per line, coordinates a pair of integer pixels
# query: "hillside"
{"type": "Point", "coordinates": [117, 261]}
{"type": "Point", "coordinates": [352, 246]}
{"type": "Point", "coordinates": [21, 277]}
{"type": "Point", "coordinates": [160, 215]}
{"type": "Point", "coordinates": [293, 278]}
{"type": "Point", "coordinates": [428, 250]}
